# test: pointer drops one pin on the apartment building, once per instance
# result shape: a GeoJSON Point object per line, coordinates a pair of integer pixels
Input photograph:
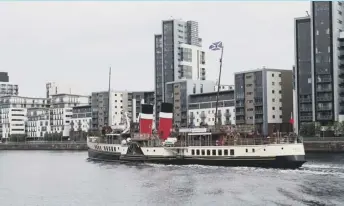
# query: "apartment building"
{"type": "Point", "coordinates": [179, 92]}
{"type": "Point", "coordinates": [178, 55]}
{"type": "Point", "coordinates": [319, 64]}
{"type": "Point", "coordinates": [13, 113]}
{"type": "Point", "coordinates": [202, 108]}
{"type": "Point", "coordinates": [104, 114]}
{"type": "Point", "coordinates": [82, 117]}
{"type": "Point", "coordinates": [135, 99]}
{"type": "Point", "coordinates": [263, 97]}
{"type": "Point", "coordinates": [38, 123]}
{"type": "Point", "coordinates": [62, 110]}
{"type": "Point", "coordinates": [7, 89]}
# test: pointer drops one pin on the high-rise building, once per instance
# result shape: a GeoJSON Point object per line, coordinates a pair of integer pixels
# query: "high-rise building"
{"type": "Point", "coordinates": [263, 99]}
{"type": "Point", "coordinates": [178, 55]}
{"type": "Point", "coordinates": [319, 64]}
{"type": "Point", "coordinates": [4, 77]}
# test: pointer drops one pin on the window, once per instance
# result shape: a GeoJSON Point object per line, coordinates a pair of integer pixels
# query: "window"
{"type": "Point", "coordinates": [214, 152]}
{"type": "Point", "coordinates": [225, 152]}
{"type": "Point", "coordinates": [280, 108]}
{"type": "Point", "coordinates": [273, 83]}
{"type": "Point", "coordinates": [232, 152]}
{"type": "Point", "coordinates": [272, 74]}
{"type": "Point", "coordinates": [279, 74]}
{"type": "Point", "coordinates": [253, 150]}
{"type": "Point", "coordinates": [192, 152]}
{"type": "Point", "coordinates": [273, 116]}
{"type": "Point", "coordinates": [197, 152]}
{"type": "Point", "coordinates": [219, 152]}
{"type": "Point", "coordinates": [246, 150]}
{"type": "Point", "coordinates": [280, 91]}
{"type": "Point", "coordinates": [208, 152]}
{"type": "Point", "coordinates": [339, 21]}
{"type": "Point", "coordinates": [273, 100]}
{"type": "Point", "coordinates": [203, 152]}
{"type": "Point", "coordinates": [281, 116]}
{"type": "Point", "coordinates": [273, 91]}
{"type": "Point", "coordinates": [273, 108]}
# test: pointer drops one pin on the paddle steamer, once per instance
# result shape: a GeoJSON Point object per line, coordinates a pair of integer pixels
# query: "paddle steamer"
{"type": "Point", "coordinates": [195, 146]}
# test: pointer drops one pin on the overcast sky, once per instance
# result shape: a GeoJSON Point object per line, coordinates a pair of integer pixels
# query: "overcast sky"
{"type": "Point", "coordinates": [74, 43]}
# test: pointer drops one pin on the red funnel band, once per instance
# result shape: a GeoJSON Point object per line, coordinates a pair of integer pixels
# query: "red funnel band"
{"type": "Point", "coordinates": [165, 125]}
{"type": "Point", "coordinates": [146, 122]}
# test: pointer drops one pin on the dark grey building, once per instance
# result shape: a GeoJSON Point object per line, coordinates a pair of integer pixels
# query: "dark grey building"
{"type": "Point", "coordinates": [319, 59]}
{"type": "Point", "coordinates": [303, 71]}
{"type": "Point", "coordinates": [100, 110]}
{"type": "Point", "coordinates": [4, 77]}
{"type": "Point", "coordinates": [263, 99]}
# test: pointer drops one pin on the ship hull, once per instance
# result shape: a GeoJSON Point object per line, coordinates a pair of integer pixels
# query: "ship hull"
{"type": "Point", "coordinates": [103, 156]}
{"type": "Point", "coordinates": [281, 162]}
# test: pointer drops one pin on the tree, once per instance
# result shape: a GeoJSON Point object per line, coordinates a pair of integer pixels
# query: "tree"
{"type": "Point", "coordinates": [17, 137]}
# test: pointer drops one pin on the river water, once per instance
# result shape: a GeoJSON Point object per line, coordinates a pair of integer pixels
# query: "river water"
{"type": "Point", "coordinates": [47, 178]}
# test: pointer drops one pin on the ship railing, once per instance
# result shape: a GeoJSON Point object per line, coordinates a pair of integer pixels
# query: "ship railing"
{"type": "Point", "coordinates": [238, 142]}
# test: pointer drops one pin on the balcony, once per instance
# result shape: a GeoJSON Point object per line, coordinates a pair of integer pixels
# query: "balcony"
{"type": "Point", "coordinates": [324, 108]}
{"type": "Point", "coordinates": [305, 109]}
{"type": "Point", "coordinates": [324, 99]}
{"type": "Point", "coordinates": [259, 112]}
{"type": "Point", "coordinates": [240, 121]}
{"type": "Point", "coordinates": [306, 118]}
{"type": "Point", "coordinates": [324, 89]}
{"type": "Point", "coordinates": [258, 103]}
{"type": "Point", "coordinates": [305, 100]}
{"type": "Point", "coordinates": [237, 113]}
{"type": "Point", "coordinates": [324, 117]}
{"type": "Point", "coordinates": [239, 105]}
{"type": "Point", "coordinates": [324, 80]}
{"type": "Point", "coordinates": [258, 120]}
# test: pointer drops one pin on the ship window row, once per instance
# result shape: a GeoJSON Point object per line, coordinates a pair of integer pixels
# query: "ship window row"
{"type": "Point", "coordinates": [214, 152]}
{"type": "Point", "coordinates": [106, 148]}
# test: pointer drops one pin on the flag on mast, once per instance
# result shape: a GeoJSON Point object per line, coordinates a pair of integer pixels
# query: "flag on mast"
{"type": "Point", "coordinates": [216, 46]}
{"type": "Point", "coordinates": [291, 121]}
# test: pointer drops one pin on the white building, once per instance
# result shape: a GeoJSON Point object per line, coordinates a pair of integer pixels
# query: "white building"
{"type": "Point", "coordinates": [13, 113]}
{"type": "Point", "coordinates": [38, 123]}
{"type": "Point", "coordinates": [105, 115]}
{"type": "Point", "coordinates": [62, 110]}
{"type": "Point", "coordinates": [82, 117]}
{"type": "Point", "coordinates": [202, 108]}
{"type": "Point", "coordinates": [7, 89]}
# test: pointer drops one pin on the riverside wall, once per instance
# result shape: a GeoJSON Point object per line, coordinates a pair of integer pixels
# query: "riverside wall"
{"type": "Point", "coordinates": [75, 146]}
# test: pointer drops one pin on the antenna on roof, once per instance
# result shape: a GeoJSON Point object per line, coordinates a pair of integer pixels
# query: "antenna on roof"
{"type": "Point", "coordinates": [307, 13]}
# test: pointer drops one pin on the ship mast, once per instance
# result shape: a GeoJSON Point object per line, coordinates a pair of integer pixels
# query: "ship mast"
{"type": "Point", "coordinates": [109, 101]}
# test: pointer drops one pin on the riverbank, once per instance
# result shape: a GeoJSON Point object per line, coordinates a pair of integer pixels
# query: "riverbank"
{"type": "Point", "coordinates": [79, 146]}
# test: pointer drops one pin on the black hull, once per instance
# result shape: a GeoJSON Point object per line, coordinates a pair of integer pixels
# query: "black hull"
{"type": "Point", "coordinates": [103, 156]}
{"type": "Point", "coordinates": [281, 162]}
